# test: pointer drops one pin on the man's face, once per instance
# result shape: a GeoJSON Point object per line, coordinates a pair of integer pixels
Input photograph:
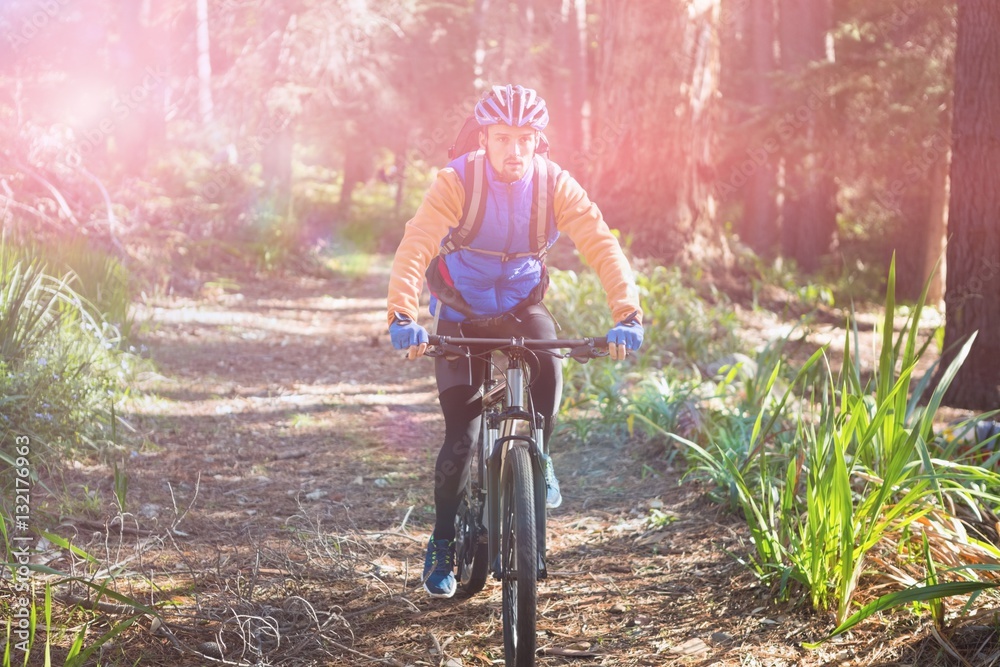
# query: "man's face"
{"type": "Point", "coordinates": [509, 149]}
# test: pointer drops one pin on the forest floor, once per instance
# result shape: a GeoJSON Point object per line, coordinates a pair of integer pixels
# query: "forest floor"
{"type": "Point", "coordinates": [280, 496]}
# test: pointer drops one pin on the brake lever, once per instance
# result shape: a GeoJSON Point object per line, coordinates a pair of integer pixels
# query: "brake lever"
{"type": "Point", "coordinates": [585, 353]}
{"type": "Point", "coordinates": [441, 349]}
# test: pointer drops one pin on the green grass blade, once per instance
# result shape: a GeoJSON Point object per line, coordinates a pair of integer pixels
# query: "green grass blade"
{"type": "Point", "coordinates": [896, 598]}
{"type": "Point", "coordinates": [887, 362]}
{"type": "Point", "coordinates": [103, 639]}
{"type": "Point", "coordinates": [927, 421]}
{"type": "Point", "coordinates": [62, 542]}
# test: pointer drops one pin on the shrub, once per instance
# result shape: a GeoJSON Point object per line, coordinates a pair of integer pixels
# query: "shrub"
{"type": "Point", "coordinates": [61, 362]}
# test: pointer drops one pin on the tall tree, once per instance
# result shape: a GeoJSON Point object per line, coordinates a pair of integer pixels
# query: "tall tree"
{"type": "Point", "coordinates": [973, 280]}
{"type": "Point", "coordinates": [204, 63]}
{"type": "Point", "coordinates": [566, 84]}
{"type": "Point", "coordinates": [135, 60]}
{"type": "Point", "coordinates": [747, 182]}
{"type": "Point", "coordinates": [887, 134]}
{"type": "Point", "coordinates": [809, 215]}
{"type": "Point", "coordinates": [652, 150]}
{"type": "Point", "coordinates": [761, 217]}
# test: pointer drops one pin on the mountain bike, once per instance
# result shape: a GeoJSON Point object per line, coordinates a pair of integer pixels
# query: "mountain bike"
{"type": "Point", "coordinates": [500, 524]}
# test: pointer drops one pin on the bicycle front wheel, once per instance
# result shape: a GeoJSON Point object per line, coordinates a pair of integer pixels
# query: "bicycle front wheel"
{"type": "Point", "coordinates": [519, 559]}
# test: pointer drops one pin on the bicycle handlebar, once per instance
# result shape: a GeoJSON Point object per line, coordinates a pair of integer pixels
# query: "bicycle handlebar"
{"type": "Point", "coordinates": [581, 349]}
{"type": "Point", "coordinates": [530, 343]}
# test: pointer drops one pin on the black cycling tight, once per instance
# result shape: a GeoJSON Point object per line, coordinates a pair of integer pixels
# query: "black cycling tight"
{"type": "Point", "coordinates": [462, 407]}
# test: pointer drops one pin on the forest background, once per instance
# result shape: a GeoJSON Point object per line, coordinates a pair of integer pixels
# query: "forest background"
{"type": "Point", "coordinates": [821, 134]}
{"type": "Point", "coordinates": [802, 157]}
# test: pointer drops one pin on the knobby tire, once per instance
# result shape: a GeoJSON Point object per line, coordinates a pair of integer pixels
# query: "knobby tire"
{"type": "Point", "coordinates": [519, 559]}
{"type": "Point", "coordinates": [472, 553]}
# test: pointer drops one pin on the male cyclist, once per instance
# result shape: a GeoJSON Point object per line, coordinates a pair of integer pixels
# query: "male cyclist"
{"type": "Point", "coordinates": [498, 280]}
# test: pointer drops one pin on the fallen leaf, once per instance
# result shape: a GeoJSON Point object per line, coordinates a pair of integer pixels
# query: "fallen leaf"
{"type": "Point", "coordinates": [693, 646]}
{"type": "Point", "coordinates": [568, 652]}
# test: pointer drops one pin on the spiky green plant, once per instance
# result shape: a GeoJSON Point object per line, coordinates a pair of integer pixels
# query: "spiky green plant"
{"type": "Point", "coordinates": [831, 475]}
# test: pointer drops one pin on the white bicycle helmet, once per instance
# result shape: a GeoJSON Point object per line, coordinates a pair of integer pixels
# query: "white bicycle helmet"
{"type": "Point", "coordinates": [516, 106]}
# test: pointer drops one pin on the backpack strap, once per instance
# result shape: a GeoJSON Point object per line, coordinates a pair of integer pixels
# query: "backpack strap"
{"type": "Point", "coordinates": [474, 208]}
{"type": "Point", "coordinates": [546, 173]}
{"type": "Point", "coordinates": [543, 192]}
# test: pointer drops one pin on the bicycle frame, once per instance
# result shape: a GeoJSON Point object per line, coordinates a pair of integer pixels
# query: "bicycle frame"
{"type": "Point", "coordinates": [508, 534]}
{"type": "Point", "coordinates": [508, 422]}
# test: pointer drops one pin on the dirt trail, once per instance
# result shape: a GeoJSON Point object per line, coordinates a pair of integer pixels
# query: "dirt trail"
{"type": "Point", "coordinates": [291, 451]}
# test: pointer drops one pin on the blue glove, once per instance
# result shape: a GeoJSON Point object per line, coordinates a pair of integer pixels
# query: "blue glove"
{"type": "Point", "coordinates": [628, 332]}
{"type": "Point", "coordinates": [406, 333]}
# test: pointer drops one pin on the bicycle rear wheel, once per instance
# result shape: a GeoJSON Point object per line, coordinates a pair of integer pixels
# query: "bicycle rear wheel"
{"type": "Point", "coordinates": [471, 552]}
{"type": "Point", "coordinates": [519, 559]}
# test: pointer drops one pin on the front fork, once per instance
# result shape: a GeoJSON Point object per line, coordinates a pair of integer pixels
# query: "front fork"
{"type": "Point", "coordinates": [496, 450]}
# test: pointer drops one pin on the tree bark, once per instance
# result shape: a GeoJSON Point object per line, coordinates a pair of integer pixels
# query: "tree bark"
{"type": "Point", "coordinates": [973, 281]}
{"type": "Point", "coordinates": [652, 151]}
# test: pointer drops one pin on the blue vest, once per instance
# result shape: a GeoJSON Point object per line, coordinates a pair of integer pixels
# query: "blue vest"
{"type": "Point", "coordinates": [496, 270]}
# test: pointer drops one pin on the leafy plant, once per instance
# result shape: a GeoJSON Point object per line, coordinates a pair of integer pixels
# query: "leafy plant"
{"type": "Point", "coordinates": [82, 646]}
{"type": "Point", "coordinates": [848, 473]}
{"type": "Point", "coordinates": [61, 362]}
{"type": "Point", "coordinates": [683, 331]}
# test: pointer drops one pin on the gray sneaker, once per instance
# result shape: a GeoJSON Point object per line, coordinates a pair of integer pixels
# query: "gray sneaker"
{"type": "Point", "coordinates": [553, 497]}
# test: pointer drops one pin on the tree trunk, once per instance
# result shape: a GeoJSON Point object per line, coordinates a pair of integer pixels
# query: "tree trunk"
{"type": "Point", "coordinates": [973, 281]}
{"type": "Point", "coordinates": [279, 143]}
{"type": "Point", "coordinates": [809, 216]}
{"type": "Point", "coordinates": [747, 183]}
{"type": "Point", "coordinates": [139, 88]}
{"type": "Point", "coordinates": [934, 238]}
{"type": "Point", "coordinates": [358, 162]}
{"type": "Point", "coordinates": [204, 64]}
{"type": "Point", "coordinates": [761, 210]}
{"type": "Point", "coordinates": [479, 13]}
{"type": "Point", "coordinates": [920, 211]}
{"type": "Point", "coordinates": [566, 88]}
{"type": "Point", "coordinates": [652, 151]}
{"type": "Point", "coordinates": [578, 77]}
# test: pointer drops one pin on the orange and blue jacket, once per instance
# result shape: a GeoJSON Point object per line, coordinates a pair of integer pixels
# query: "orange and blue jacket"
{"type": "Point", "coordinates": [493, 273]}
